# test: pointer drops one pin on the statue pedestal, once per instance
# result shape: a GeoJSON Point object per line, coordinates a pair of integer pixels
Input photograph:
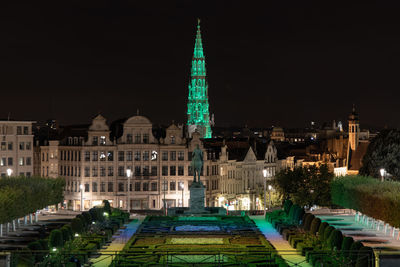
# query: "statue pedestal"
{"type": "Point", "coordinates": [196, 204]}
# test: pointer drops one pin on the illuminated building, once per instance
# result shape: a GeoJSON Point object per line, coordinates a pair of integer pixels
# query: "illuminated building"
{"type": "Point", "coordinates": [198, 117]}
{"type": "Point", "coordinates": [16, 148]}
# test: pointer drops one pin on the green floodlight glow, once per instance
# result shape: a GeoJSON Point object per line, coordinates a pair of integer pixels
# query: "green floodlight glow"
{"type": "Point", "coordinates": [197, 106]}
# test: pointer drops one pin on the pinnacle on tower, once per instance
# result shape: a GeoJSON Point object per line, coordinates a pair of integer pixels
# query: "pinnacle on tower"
{"type": "Point", "coordinates": [198, 116]}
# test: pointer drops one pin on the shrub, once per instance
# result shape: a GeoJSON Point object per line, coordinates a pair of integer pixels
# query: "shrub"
{"type": "Point", "coordinates": [298, 215]}
{"type": "Point", "coordinates": [321, 230]}
{"type": "Point", "coordinates": [87, 217]}
{"type": "Point", "coordinates": [106, 206]}
{"type": "Point", "coordinates": [65, 234]}
{"type": "Point", "coordinates": [346, 245]}
{"type": "Point", "coordinates": [315, 225]}
{"type": "Point", "coordinates": [286, 205]}
{"type": "Point", "coordinates": [303, 222]}
{"type": "Point", "coordinates": [69, 229]}
{"type": "Point", "coordinates": [97, 214]}
{"type": "Point", "coordinates": [44, 243]}
{"type": "Point", "coordinates": [327, 233]}
{"type": "Point", "coordinates": [56, 239]}
{"type": "Point", "coordinates": [291, 212]}
{"type": "Point", "coordinates": [335, 239]}
{"type": "Point", "coordinates": [307, 223]}
{"type": "Point", "coordinates": [25, 258]}
{"type": "Point", "coordinates": [84, 223]}
{"type": "Point", "coordinates": [76, 225]}
{"type": "Point", "coordinates": [355, 247]}
{"type": "Point", "coordinates": [365, 257]}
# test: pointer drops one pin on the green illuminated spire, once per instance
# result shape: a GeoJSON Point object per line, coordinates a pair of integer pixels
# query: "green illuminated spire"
{"type": "Point", "coordinates": [197, 107]}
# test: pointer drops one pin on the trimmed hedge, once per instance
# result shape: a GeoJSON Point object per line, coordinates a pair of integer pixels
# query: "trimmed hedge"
{"type": "Point", "coordinates": [20, 196]}
{"type": "Point", "coordinates": [327, 233]}
{"type": "Point", "coordinates": [77, 225]}
{"type": "Point", "coordinates": [316, 222]}
{"type": "Point", "coordinates": [355, 247]}
{"type": "Point", "coordinates": [365, 257]}
{"type": "Point", "coordinates": [368, 195]}
{"type": "Point", "coordinates": [335, 240]}
{"type": "Point", "coordinates": [346, 245]}
{"type": "Point", "coordinates": [56, 239]}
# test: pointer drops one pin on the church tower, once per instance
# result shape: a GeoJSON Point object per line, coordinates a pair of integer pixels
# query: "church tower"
{"type": "Point", "coordinates": [354, 130]}
{"type": "Point", "coordinates": [198, 116]}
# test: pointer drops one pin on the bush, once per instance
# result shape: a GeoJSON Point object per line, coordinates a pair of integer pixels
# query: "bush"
{"type": "Point", "coordinates": [365, 257]}
{"type": "Point", "coordinates": [44, 243]}
{"type": "Point", "coordinates": [56, 239]}
{"type": "Point", "coordinates": [106, 206]}
{"type": "Point", "coordinates": [335, 239]}
{"type": "Point", "coordinates": [87, 217]}
{"type": "Point", "coordinates": [355, 247]}
{"type": "Point", "coordinates": [292, 211]}
{"type": "Point", "coordinates": [303, 222]}
{"type": "Point", "coordinates": [327, 233]}
{"type": "Point", "coordinates": [286, 205]}
{"type": "Point", "coordinates": [65, 234]}
{"type": "Point", "coordinates": [69, 229]}
{"type": "Point", "coordinates": [97, 214]}
{"type": "Point", "coordinates": [298, 215]}
{"type": "Point", "coordinates": [25, 258]}
{"type": "Point", "coordinates": [84, 223]}
{"type": "Point", "coordinates": [315, 225]}
{"type": "Point", "coordinates": [76, 225]}
{"type": "Point", "coordinates": [346, 245]}
{"type": "Point", "coordinates": [321, 230]}
{"type": "Point", "coordinates": [307, 223]}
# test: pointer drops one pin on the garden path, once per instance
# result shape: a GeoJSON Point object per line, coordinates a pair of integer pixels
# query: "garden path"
{"type": "Point", "coordinates": [289, 254]}
{"type": "Point", "coordinates": [117, 244]}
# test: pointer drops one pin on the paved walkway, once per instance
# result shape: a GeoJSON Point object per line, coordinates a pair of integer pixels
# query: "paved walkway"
{"type": "Point", "coordinates": [118, 242]}
{"type": "Point", "coordinates": [289, 254]}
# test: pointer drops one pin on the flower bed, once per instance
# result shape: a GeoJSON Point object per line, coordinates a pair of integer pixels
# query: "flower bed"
{"type": "Point", "coordinates": [197, 228]}
{"type": "Point", "coordinates": [196, 241]}
{"type": "Point", "coordinates": [192, 218]}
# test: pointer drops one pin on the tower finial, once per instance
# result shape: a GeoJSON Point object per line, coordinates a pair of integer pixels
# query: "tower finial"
{"type": "Point", "coordinates": [354, 107]}
{"type": "Point", "coordinates": [198, 22]}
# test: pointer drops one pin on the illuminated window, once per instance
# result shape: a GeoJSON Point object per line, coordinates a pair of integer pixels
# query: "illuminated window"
{"type": "Point", "coordinates": [102, 140]}
{"type": "Point", "coordinates": [21, 161]}
{"type": "Point", "coordinates": [110, 155]}
{"type": "Point", "coordinates": [102, 155]}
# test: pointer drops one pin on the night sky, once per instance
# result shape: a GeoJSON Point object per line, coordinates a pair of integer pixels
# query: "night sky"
{"type": "Point", "coordinates": [277, 63]}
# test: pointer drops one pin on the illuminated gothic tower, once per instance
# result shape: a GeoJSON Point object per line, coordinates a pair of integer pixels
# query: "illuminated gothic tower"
{"type": "Point", "coordinates": [198, 117]}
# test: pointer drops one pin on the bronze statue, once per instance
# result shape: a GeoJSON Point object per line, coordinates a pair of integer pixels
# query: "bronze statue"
{"type": "Point", "coordinates": [197, 162]}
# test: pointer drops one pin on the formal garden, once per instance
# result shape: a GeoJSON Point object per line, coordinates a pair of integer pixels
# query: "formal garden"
{"type": "Point", "coordinates": [206, 240]}
{"type": "Point", "coordinates": [74, 242]}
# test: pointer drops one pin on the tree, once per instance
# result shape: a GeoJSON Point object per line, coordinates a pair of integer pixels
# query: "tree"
{"type": "Point", "coordinates": [383, 152]}
{"type": "Point", "coordinates": [107, 207]}
{"type": "Point", "coordinates": [306, 186]}
{"type": "Point", "coordinates": [77, 225]}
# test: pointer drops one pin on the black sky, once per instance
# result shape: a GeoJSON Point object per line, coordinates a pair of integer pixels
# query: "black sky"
{"type": "Point", "coordinates": [268, 62]}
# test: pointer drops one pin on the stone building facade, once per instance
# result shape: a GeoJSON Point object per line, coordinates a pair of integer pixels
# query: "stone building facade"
{"type": "Point", "coordinates": [97, 162]}
{"type": "Point", "coordinates": [16, 148]}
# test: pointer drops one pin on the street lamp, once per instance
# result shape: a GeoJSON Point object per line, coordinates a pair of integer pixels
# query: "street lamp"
{"type": "Point", "coordinates": [270, 200]}
{"type": "Point", "coordinates": [182, 186]}
{"type": "Point", "coordinates": [81, 188]}
{"type": "Point", "coordinates": [9, 172]}
{"type": "Point", "coordinates": [128, 192]}
{"type": "Point", "coordinates": [265, 189]}
{"type": "Point", "coordinates": [382, 171]}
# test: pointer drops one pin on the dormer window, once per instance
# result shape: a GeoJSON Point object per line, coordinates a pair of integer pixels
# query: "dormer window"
{"type": "Point", "coordinates": [95, 140]}
{"type": "Point", "coordinates": [172, 139]}
{"type": "Point", "coordinates": [102, 140]}
{"type": "Point", "coordinates": [138, 137]}
{"type": "Point", "coordinates": [145, 138]}
{"type": "Point", "coordinates": [129, 138]}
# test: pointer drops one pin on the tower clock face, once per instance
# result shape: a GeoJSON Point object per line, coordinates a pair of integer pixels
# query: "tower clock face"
{"type": "Point", "coordinates": [154, 155]}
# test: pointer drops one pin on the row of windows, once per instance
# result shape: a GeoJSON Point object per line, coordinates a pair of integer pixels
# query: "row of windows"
{"type": "Point", "coordinates": [22, 161]}
{"type": "Point", "coordinates": [139, 139]}
{"type": "Point", "coordinates": [121, 187]}
{"type": "Point", "coordinates": [22, 146]}
{"type": "Point", "coordinates": [109, 171]}
{"type": "Point", "coordinates": [22, 130]}
{"type": "Point", "coordinates": [27, 174]}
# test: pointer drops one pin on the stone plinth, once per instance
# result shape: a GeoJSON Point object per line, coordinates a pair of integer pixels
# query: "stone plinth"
{"type": "Point", "coordinates": [196, 204]}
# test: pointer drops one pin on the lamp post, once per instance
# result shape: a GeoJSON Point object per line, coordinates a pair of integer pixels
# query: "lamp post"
{"type": "Point", "coordinates": [165, 189]}
{"type": "Point", "coordinates": [9, 172]}
{"type": "Point", "coordinates": [182, 187]}
{"type": "Point", "coordinates": [128, 191]}
{"type": "Point", "coordinates": [270, 200]}
{"type": "Point", "coordinates": [265, 189]}
{"type": "Point", "coordinates": [81, 188]}
{"type": "Point", "coordinates": [382, 171]}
